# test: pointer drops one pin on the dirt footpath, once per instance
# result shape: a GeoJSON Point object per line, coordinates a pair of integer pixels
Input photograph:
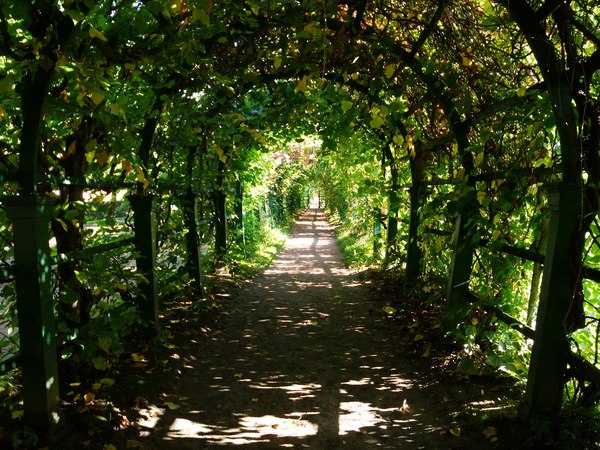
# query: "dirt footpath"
{"type": "Point", "coordinates": [306, 359]}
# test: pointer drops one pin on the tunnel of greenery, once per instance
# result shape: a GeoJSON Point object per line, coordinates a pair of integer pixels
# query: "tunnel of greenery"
{"type": "Point", "coordinates": [144, 142]}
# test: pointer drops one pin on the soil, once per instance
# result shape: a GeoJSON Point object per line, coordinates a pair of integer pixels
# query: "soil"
{"type": "Point", "coordinates": [306, 358]}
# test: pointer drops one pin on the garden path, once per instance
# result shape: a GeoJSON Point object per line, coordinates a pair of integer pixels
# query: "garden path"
{"type": "Point", "coordinates": [306, 359]}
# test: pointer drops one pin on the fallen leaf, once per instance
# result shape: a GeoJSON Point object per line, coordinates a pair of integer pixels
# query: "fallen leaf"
{"type": "Point", "coordinates": [138, 358]}
{"type": "Point", "coordinates": [455, 431]}
{"type": "Point", "coordinates": [89, 398]}
{"type": "Point", "coordinates": [490, 432]}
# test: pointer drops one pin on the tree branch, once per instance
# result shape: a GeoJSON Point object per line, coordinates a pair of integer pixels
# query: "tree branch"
{"type": "Point", "coordinates": [439, 12]}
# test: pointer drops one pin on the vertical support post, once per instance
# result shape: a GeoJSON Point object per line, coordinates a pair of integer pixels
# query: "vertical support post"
{"type": "Point", "coordinates": [239, 212]}
{"type": "Point", "coordinates": [376, 233]}
{"type": "Point", "coordinates": [30, 216]}
{"type": "Point", "coordinates": [543, 395]}
{"type": "Point", "coordinates": [193, 242]}
{"type": "Point", "coordinates": [144, 218]}
{"type": "Point", "coordinates": [460, 271]}
{"type": "Point", "coordinates": [413, 257]}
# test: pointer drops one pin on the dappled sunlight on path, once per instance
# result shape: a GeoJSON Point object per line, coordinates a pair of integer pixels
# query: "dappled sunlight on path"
{"type": "Point", "coordinates": [303, 362]}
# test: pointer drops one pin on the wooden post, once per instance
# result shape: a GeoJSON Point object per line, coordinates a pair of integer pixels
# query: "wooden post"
{"type": "Point", "coordinates": [461, 266]}
{"type": "Point", "coordinates": [30, 216]}
{"type": "Point", "coordinates": [414, 255]}
{"type": "Point", "coordinates": [543, 395]}
{"type": "Point", "coordinates": [145, 244]}
{"type": "Point", "coordinates": [193, 243]}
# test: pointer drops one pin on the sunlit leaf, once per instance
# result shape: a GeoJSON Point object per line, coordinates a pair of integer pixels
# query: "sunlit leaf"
{"type": "Point", "coordinates": [346, 105]}
{"type": "Point", "coordinates": [95, 33]}
{"type": "Point", "coordinates": [138, 357]}
{"type": "Point", "coordinates": [389, 310]}
{"type": "Point", "coordinates": [390, 69]}
{"type": "Point", "coordinates": [89, 397]}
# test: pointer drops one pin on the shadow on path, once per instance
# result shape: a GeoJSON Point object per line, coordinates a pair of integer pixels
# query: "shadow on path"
{"type": "Point", "coordinates": [304, 361]}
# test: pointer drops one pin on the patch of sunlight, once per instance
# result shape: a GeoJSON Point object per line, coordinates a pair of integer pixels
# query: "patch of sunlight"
{"type": "Point", "coordinates": [291, 388]}
{"type": "Point", "coordinates": [354, 416]}
{"type": "Point", "coordinates": [250, 430]}
{"type": "Point", "coordinates": [363, 382]}
{"type": "Point", "coordinates": [486, 405]}
{"type": "Point", "coordinates": [148, 419]}
{"type": "Point", "coordinates": [300, 242]}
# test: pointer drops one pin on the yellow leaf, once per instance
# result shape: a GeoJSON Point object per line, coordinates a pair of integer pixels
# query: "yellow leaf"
{"type": "Point", "coordinates": [17, 414]}
{"type": "Point", "coordinates": [137, 357]}
{"type": "Point", "coordinates": [389, 310]}
{"type": "Point", "coordinates": [390, 69]}
{"type": "Point", "coordinates": [102, 157]}
{"type": "Point", "coordinates": [97, 96]}
{"type": "Point", "coordinates": [277, 62]}
{"type": "Point", "coordinates": [455, 431]}
{"type": "Point", "coordinates": [466, 61]}
{"type": "Point", "coordinates": [89, 398]}
{"type": "Point", "coordinates": [141, 177]}
{"type": "Point", "coordinates": [533, 189]}
{"type": "Point", "coordinates": [495, 235]}
{"type": "Point", "coordinates": [418, 337]}
{"type": "Point", "coordinates": [127, 166]}
{"type": "Point", "coordinates": [94, 33]}
{"type": "Point", "coordinates": [521, 92]}
{"type": "Point", "coordinates": [109, 447]}
{"type": "Point", "coordinates": [238, 375]}
{"type": "Point", "coordinates": [171, 405]}
{"type": "Point", "coordinates": [310, 28]}
{"type": "Point", "coordinates": [72, 148]}
{"type": "Point", "coordinates": [301, 84]}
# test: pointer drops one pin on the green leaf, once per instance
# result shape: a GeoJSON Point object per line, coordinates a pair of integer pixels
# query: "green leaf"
{"type": "Point", "coordinates": [346, 105]}
{"type": "Point", "coordinates": [75, 15]}
{"type": "Point", "coordinates": [104, 343]}
{"type": "Point", "coordinates": [201, 16]}
{"type": "Point", "coordinates": [376, 122]}
{"type": "Point", "coordinates": [94, 33]}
